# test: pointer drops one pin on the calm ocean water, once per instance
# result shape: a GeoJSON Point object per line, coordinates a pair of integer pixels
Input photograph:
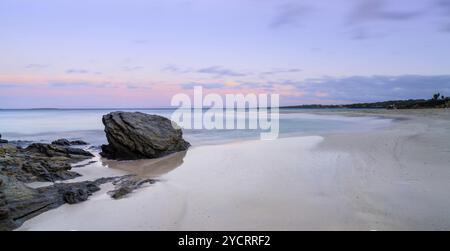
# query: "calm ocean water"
{"type": "Point", "coordinates": [48, 125]}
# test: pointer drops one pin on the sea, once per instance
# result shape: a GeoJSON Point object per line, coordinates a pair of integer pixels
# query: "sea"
{"type": "Point", "coordinates": [46, 125]}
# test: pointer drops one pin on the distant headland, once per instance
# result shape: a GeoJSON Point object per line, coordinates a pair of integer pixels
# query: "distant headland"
{"type": "Point", "coordinates": [437, 101]}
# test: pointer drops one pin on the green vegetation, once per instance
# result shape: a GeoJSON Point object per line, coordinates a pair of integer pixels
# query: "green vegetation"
{"type": "Point", "coordinates": [437, 101]}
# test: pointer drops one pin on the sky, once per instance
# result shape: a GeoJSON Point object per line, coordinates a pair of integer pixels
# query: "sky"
{"type": "Point", "coordinates": [136, 53]}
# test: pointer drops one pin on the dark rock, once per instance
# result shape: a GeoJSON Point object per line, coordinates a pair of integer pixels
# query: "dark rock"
{"type": "Point", "coordinates": [65, 142]}
{"type": "Point", "coordinates": [61, 142]}
{"type": "Point", "coordinates": [19, 202]}
{"type": "Point", "coordinates": [4, 213]}
{"type": "Point", "coordinates": [57, 151]}
{"type": "Point", "coordinates": [95, 148]}
{"type": "Point", "coordinates": [40, 162]}
{"type": "Point", "coordinates": [127, 184]}
{"type": "Point", "coordinates": [50, 171]}
{"type": "Point", "coordinates": [76, 195]}
{"type": "Point", "coordinates": [2, 141]}
{"type": "Point", "coordinates": [6, 223]}
{"type": "Point", "coordinates": [136, 135]}
{"type": "Point", "coordinates": [46, 162]}
{"type": "Point", "coordinates": [85, 164]}
{"type": "Point", "coordinates": [78, 151]}
{"type": "Point", "coordinates": [120, 192]}
{"type": "Point", "coordinates": [78, 143]}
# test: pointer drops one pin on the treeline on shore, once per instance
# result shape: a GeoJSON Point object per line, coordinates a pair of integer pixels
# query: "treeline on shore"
{"type": "Point", "coordinates": [437, 101]}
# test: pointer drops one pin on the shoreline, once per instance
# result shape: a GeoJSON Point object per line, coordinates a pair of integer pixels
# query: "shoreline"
{"type": "Point", "coordinates": [373, 180]}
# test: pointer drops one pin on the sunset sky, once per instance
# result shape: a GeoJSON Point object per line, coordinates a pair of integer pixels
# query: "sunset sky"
{"type": "Point", "coordinates": [130, 53]}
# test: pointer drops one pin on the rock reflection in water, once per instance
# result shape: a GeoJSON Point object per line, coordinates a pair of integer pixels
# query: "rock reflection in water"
{"type": "Point", "coordinates": [148, 168]}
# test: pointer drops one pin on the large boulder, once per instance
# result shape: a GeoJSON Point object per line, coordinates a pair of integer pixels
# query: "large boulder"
{"type": "Point", "coordinates": [136, 135]}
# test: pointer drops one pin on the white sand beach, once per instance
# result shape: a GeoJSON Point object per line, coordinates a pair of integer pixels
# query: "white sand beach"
{"type": "Point", "coordinates": [394, 178]}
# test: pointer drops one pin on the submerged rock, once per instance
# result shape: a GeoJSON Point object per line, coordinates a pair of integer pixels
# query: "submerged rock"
{"type": "Point", "coordinates": [136, 135]}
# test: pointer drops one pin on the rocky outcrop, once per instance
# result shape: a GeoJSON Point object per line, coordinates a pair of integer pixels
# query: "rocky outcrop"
{"type": "Point", "coordinates": [136, 135]}
{"type": "Point", "coordinates": [6, 223]}
{"type": "Point", "coordinates": [48, 162]}
{"type": "Point", "coordinates": [58, 151]}
{"type": "Point", "coordinates": [127, 184]}
{"type": "Point", "coordinates": [19, 202]}
{"type": "Point", "coordinates": [66, 142]}
{"type": "Point", "coordinates": [40, 162]}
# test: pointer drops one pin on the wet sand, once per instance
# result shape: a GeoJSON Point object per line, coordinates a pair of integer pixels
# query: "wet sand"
{"type": "Point", "coordinates": [394, 178]}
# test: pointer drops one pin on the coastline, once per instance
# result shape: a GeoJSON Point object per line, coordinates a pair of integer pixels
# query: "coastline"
{"type": "Point", "coordinates": [392, 178]}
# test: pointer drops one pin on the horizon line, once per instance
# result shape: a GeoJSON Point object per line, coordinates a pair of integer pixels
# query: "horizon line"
{"type": "Point", "coordinates": [168, 107]}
